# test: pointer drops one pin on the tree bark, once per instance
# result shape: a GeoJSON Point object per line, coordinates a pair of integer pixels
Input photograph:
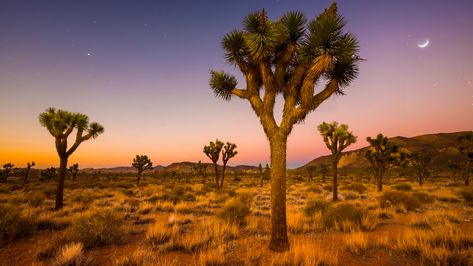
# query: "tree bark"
{"type": "Point", "coordinates": [279, 241]}
{"type": "Point", "coordinates": [467, 174]}
{"type": "Point", "coordinates": [216, 175]}
{"type": "Point", "coordinates": [27, 174]}
{"type": "Point", "coordinates": [335, 180]}
{"type": "Point", "coordinates": [379, 179]}
{"type": "Point", "coordinates": [223, 175]}
{"type": "Point", "coordinates": [138, 179]}
{"type": "Point", "coordinates": [60, 183]}
{"type": "Point", "coordinates": [420, 177]}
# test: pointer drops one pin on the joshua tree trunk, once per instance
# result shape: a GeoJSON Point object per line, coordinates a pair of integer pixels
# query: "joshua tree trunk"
{"type": "Point", "coordinates": [335, 181]}
{"type": "Point", "coordinates": [60, 184]}
{"type": "Point", "coordinates": [27, 174]}
{"type": "Point", "coordinates": [223, 175]}
{"type": "Point", "coordinates": [138, 179]}
{"type": "Point", "coordinates": [467, 174]}
{"type": "Point", "coordinates": [420, 178]}
{"type": "Point", "coordinates": [279, 240]}
{"type": "Point", "coordinates": [379, 179]}
{"type": "Point", "coordinates": [216, 175]}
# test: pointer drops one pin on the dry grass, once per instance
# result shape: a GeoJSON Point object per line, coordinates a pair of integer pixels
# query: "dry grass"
{"type": "Point", "coordinates": [306, 253]}
{"type": "Point", "coordinates": [357, 243]}
{"type": "Point", "coordinates": [142, 257]}
{"type": "Point", "coordinates": [71, 254]}
{"type": "Point", "coordinates": [297, 222]}
{"type": "Point", "coordinates": [159, 233]}
{"type": "Point", "coordinates": [213, 257]}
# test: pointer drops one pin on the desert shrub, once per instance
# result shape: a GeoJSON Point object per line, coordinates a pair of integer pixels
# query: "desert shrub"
{"type": "Point", "coordinates": [328, 187]}
{"type": "Point", "coordinates": [467, 194]}
{"type": "Point", "coordinates": [399, 198]}
{"type": "Point", "coordinates": [357, 243]}
{"type": "Point", "coordinates": [234, 211]}
{"type": "Point", "coordinates": [358, 187]}
{"type": "Point", "coordinates": [423, 197]}
{"type": "Point", "coordinates": [159, 233]}
{"type": "Point", "coordinates": [49, 192]}
{"type": "Point", "coordinates": [213, 257]}
{"type": "Point", "coordinates": [402, 187]}
{"type": "Point", "coordinates": [344, 217]}
{"type": "Point", "coordinates": [314, 189]}
{"type": "Point", "coordinates": [177, 194]}
{"type": "Point", "coordinates": [96, 228]}
{"type": "Point", "coordinates": [35, 199]}
{"type": "Point", "coordinates": [436, 218]}
{"type": "Point", "coordinates": [315, 205]}
{"type": "Point", "coordinates": [12, 223]}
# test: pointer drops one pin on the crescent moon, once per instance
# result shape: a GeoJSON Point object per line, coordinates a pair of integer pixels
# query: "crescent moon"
{"type": "Point", "coordinates": [423, 45]}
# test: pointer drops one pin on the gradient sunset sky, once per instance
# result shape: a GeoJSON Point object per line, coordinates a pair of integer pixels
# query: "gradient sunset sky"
{"type": "Point", "coordinates": [141, 69]}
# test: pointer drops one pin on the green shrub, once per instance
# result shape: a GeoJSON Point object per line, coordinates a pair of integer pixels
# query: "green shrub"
{"type": "Point", "coordinates": [423, 197]}
{"type": "Point", "coordinates": [234, 211]}
{"type": "Point", "coordinates": [344, 216]}
{"type": "Point", "coordinates": [96, 228]}
{"type": "Point", "coordinates": [399, 198]}
{"type": "Point", "coordinates": [35, 199]}
{"type": "Point", "coordinates": [12, 224]}
{"type": "Point", "coordinates": [315, 205]}
{"type": "Point", "coordinates": [402, 187]}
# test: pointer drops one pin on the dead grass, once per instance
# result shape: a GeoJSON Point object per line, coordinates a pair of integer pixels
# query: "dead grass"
{"type": "Point", "coordinates": [308, 252]}
{"type": "Point", "coordinates": [357, 243]}
{"type": "Point", "coordinates": [71, 254]}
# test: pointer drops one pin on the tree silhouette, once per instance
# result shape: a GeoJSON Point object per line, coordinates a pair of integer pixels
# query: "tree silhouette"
{"type": "Point", "coordinates": [466, 148]}
{"type": "Point", "coordinates": [28, 169]}
{"type": "Point", "coordinates": [213, 152]}
{"type": "Point", "coordinates": [200, 170]}
{"type": "Point", "coordinates": [60, 125]}
{"type": "Point", "coordinates": [287, 57]}
{"type": "Point", "coordinates": [7, 169]}
{"type": "Point", "coordinates": [48, 173]}
{"type": "Point", "coordinates": [73, 169]}
{"type": "Point", "coordinates": [141, 163]}
{"type": "Point", "coordinates": [421, 164]}
{"type": "Point", "coordinates": [336, 138]}
{"type": "Point", "coordinates": [324, 171]}
{"type": "Point", "coordinates": [381, 155]}
{"type": "Point", "coordinates": [312, 171]}
{"type": "Point", "coordinates": [228, 152]}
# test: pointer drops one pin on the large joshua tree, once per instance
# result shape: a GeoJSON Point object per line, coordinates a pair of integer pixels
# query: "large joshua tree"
{"type": "Point", "coordinates": [213, 152]}
{"type": "Point", "coordinates": [61, 124]}
{"type": "Point", "coordinates": [286, 57]}
{"type": "Point", "coordinates": [466, 148]}
{"type": "Point", "coordinates": [141, 163]}
{"type": "Point", "coordinates": [381, 153]}
{"type": "Point", "coordinates": [336, 138]}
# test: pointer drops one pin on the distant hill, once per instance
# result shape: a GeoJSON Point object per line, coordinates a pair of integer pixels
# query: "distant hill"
{"type": "Point", "coordinates": [181, 167]}
{"type": "Point", "coordinates": [441, 147]}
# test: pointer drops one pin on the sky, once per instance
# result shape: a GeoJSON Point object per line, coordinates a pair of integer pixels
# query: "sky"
{"type": "Point", "coordinates": [141, 69]}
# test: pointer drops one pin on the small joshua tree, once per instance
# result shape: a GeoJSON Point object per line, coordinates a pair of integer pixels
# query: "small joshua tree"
{"type": "Point", "coordinates": [324, 171]}
{"type": "Point", "coordinates": [312, 171]}
{"type": "Point", "coordinates": [381, 154]}
{"type": "Point", "coordinates": [28, 168]}
{"type": "Point", "coordinates": [48, 174]}
{"type": "Point", "coordinates": [141, 163]}
{"type": "Point", "coordinates": [73, 170]}
{"type": "Point", "coordinates": [336, 138]}
{"type": "Point", "coordinates": [466, 148]}
{"type": "Point", "coordinates": [213, 152]}
{"type": "Point", "coordinates": [421, 164]}
{"type": "Point", "coordinates": [228, 152]}
{"type": "Point", "coordinates": [7, 169]}
{"type": "Point", "coordinates": [200, 170]}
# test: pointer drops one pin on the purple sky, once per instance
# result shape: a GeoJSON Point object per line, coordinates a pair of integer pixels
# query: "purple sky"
{"type": "Point", "coordinates": [142, 71]}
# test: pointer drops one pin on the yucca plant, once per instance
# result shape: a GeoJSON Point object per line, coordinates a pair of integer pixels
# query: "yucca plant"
{"type": "Point", "coordinates": [61, 124]}
{"type": "Point", "coordinates": [286, 57]}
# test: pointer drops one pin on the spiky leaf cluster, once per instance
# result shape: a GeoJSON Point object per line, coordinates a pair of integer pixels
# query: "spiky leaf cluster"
{"type": "Point", "coordinates": [142, 163]}
{"type": "Point", "coordinates": [288, 56]}
{"type": "Point", "coordinates": [213, 150]}
{"type": "Point", "coordinates": [381, 153]}
{"type": "Point", "coordinates": [228, 152]}
{"type": "Point", "coordinates": [336, 137]}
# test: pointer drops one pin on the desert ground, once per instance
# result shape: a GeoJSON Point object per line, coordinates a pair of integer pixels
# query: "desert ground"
{"type": "Point", "coordinates": [108, 220]}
